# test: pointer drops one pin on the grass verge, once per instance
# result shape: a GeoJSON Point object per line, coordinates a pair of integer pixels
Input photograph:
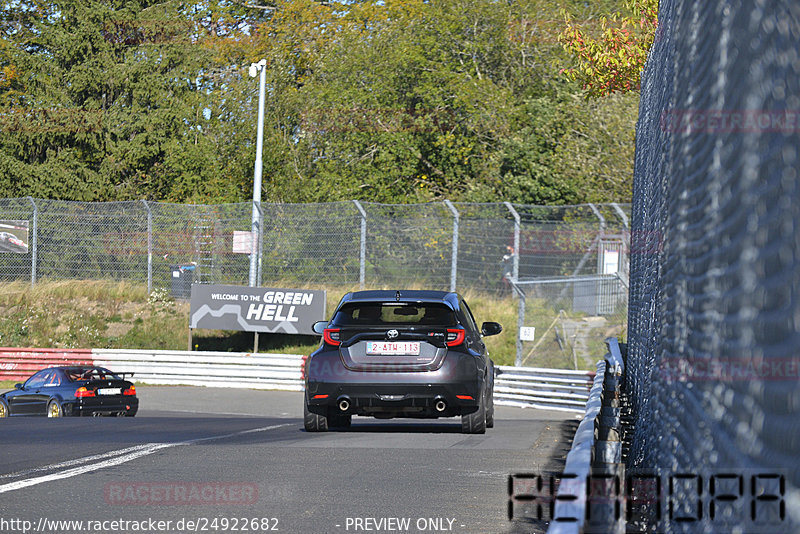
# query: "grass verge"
{"type": "Point", "coordinates": [110, 314]}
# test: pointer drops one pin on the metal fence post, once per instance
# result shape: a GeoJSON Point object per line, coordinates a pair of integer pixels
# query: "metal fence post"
{"type": "Point", "coordinates": [255, 231]}
{"type": "Point", "coordinates": [454, 261]}
{"type": "Point", "coordinates": [599, 217]}
{"type": "Point", "coordinates": [149, 247]}
{"type": "Point", "coordinates": [517, 222]}
{"type": "Point", "coordinates": [595, 243]}
{"type": "Point", "coordinates": [34, 241]}
{"type": "Point", "coordinates": [362, 265]}
{"type": "Point", "coordinates": [621, 214]}
{"type": "Point", "coordinates": [520, 320]}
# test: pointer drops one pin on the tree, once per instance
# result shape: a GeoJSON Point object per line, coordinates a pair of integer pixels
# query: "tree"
{"type": "Point", "coordinates": [612, 61]}
{"type": "Point", "coordinates": [115, 110]}
{"type": "Point", "coordinates": [378, 100]}
{"type": "Point", "coordinates": [414, 101]}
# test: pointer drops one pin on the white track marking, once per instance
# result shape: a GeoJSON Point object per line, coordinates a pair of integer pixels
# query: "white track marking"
{"type": "Point", "coordinates": [70, 463]}
{"type": "Point", "coordinates": [141, 450]}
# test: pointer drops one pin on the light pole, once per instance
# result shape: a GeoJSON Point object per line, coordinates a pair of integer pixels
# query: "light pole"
{"type": "Point", "coordinates": [256, 68]}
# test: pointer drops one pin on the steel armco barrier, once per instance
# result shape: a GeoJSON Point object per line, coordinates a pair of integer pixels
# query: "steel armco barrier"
{"type": "Point", "coordinates": [570, 507]}
{"type": "Point", "coordinates": [596, 452]}
{"type": "Point", "coordinates": [19, 364]}
{"type": "Point", "coordinates": [549, 389]}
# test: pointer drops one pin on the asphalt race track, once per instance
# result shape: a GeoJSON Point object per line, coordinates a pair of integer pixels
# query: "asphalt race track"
{"type": "Point", "coordinates": [216, 460]}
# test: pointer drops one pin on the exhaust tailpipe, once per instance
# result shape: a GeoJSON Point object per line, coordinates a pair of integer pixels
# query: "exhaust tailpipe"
{"type": "Point", "coordinates": [440, 405]}
{"type": "Point", "coordinates": [344, 404]}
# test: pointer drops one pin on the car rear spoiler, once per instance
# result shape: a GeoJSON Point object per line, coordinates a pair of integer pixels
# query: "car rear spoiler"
{"type": "Point", "coordinates": [123, 375]}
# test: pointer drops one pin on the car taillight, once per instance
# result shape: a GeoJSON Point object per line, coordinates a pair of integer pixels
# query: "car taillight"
{"type": "Point", "coordinates": [130, 391]}
{"type": "Point", "coordinates": [455, 337]}
{"type": "Point", "coordinates": [82, 392]}
{"type": "Point", "coordinates": [331, 336]}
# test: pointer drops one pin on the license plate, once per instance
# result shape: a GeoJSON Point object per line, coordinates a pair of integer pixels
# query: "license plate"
{"type": "Point", "coordinates": [109, 391]}
{"type": "Point", "coordinates": [393, 348]}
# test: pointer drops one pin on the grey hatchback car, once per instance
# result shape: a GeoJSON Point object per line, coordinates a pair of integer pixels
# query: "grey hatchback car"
{"type": "Point", "coordinates": [406, 353]}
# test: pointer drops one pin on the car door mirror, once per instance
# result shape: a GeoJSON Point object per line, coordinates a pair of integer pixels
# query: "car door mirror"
{"type": "Point", "coordinates": [319, 327]}
{"type": "Point", "coordinates": [491, 329]}
{"type": "Point", "coordinates": [17, 386]}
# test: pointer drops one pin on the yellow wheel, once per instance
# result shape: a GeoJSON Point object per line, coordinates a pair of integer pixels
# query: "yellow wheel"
{"type": "Point", "coordinates": [53, 409]}
{"type": "Point", "coordinates": [3, 409]}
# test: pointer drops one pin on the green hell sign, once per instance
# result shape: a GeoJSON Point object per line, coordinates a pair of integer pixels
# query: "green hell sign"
{"type": "Point", "coordinates": [256, 309]}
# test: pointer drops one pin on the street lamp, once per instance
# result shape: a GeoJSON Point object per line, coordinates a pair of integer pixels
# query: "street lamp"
{"type": "Point", "coordinates": [255, 69]}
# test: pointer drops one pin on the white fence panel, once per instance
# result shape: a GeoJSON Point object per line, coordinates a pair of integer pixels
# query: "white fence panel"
{"type": "Point", "coordinates": [213, 369]}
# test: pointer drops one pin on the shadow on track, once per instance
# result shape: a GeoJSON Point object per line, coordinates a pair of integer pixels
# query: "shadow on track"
{"type": "Point", "coordinates": [366, 426]}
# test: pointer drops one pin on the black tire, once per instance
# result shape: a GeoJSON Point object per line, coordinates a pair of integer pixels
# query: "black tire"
{"type": "Point", "coordinates": [340, 421]}
{"type": "Point", "coordinates": [490, 409]}
{"type": "Point", "coordinates": [54, 409]}
{"type": "Point", "coordinates": [3, 408]}
{"type": "Point", "coordinates": [475, 422]}
{"type": "Point", "coordinates": [313, 422]}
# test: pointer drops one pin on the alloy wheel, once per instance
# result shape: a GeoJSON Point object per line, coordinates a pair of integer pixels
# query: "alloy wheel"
{"type": "Point", "coordinates": [54, 410]}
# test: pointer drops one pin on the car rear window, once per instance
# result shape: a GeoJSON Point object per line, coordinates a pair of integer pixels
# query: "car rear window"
{"type": "Point", "coordinates": [78, 374]}
{"type": "Point", "coordinates": [379, 313]}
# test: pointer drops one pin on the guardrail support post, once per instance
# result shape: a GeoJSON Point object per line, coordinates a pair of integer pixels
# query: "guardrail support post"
{"type": "Point", "coordinates": [454, 261]}
{"type": "Point", "coordinates": [34, 241]}
{"type": "Point", "coordinates": [362, 262]}
{"type": "Point", "coordinates": [150, 252]}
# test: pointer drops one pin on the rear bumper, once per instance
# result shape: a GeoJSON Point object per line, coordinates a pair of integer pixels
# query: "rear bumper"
{"type": "Point", "coordinates": [395, 400]}
{"type": "Point", "coordinates": [392, 393]}
{"type": "Point", "coordinates": [98, 405]}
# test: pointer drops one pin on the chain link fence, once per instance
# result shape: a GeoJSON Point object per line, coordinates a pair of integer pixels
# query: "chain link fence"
{"type": "Point", "coordinates": [564, 321]}
{"type": "Point", "coordinates": [437, 245]}
{"type": "Point", "coordinates": [712, 361]}
{"type": "Point", "coordinates": [545, 252]}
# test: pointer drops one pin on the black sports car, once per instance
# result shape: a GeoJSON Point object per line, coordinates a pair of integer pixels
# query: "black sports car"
{"type": "Point", "coordinates": [392, 354]}
{"type": "Point", "coordinates": [71, 390]}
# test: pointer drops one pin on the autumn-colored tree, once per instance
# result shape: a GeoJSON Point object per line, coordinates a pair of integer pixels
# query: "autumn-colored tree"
{"type": "Point", "coordinates": [9, 73]}
{"type": "Point", "coordinates": [612, 61]}
{"type": "Point", "coordinates": [16, 29]}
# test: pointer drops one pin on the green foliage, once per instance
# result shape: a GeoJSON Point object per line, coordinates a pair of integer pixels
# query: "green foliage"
{"type": "Point", "coordinates": [390, 101]}
{"type": "Point", "coordinates": [114, 110]}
